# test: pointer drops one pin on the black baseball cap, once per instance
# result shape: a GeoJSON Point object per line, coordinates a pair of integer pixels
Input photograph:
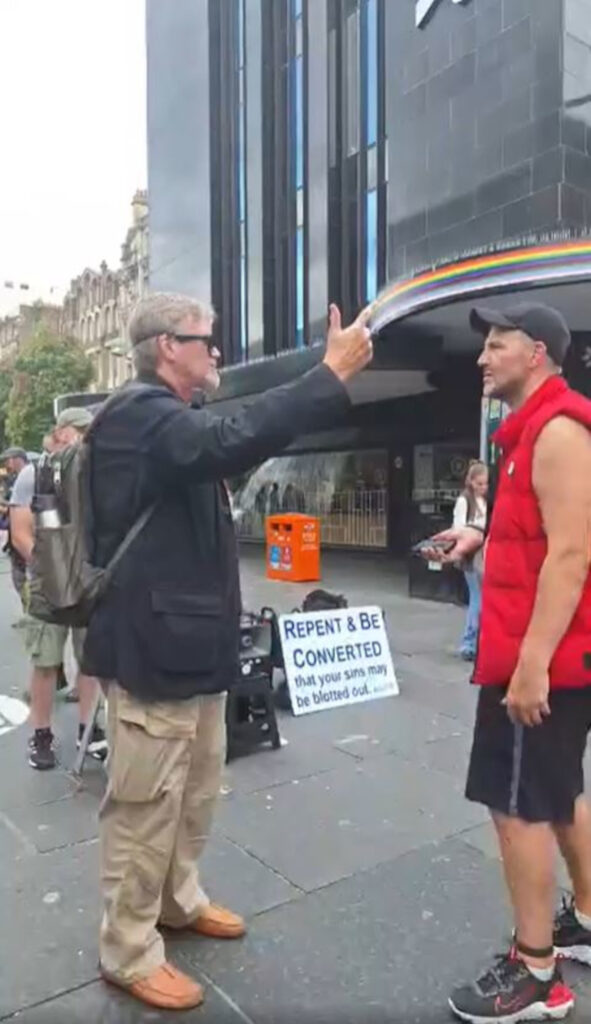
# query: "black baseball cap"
{"type": "Point", "coordinates": [539, 322]}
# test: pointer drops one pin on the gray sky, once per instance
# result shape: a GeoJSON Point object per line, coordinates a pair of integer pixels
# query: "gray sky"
{"type": "Point", "coordinates": [73, 135]}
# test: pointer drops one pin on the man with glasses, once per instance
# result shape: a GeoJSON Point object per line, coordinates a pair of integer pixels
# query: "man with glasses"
{"type": "Point", "coordinates": [165, 636]}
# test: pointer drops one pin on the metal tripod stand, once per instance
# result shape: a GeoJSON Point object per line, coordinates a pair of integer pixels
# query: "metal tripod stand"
{"type": "Point", "coordinates": [78, 768]}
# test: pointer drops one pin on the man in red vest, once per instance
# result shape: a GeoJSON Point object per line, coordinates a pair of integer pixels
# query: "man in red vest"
{"type": "Point", "coordinates": [534, 662]}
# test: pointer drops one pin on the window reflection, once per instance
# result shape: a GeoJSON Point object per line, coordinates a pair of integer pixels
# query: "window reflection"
{"type": "Point", "coordinates": [347, 491]}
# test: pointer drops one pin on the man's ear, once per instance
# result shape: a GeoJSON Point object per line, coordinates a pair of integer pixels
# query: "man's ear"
{"type": "Point", "coordinates": [540, 352]}
{"type": "Point", "coordinates": [165, 346]}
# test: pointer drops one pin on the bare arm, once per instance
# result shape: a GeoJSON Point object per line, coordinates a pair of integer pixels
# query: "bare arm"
{"type": "Point", "coordinates": [466, 540]}
{"type": "Point", "coordinates": [22, 531]}
{"type": "Point", "coordinates": [562, 483]}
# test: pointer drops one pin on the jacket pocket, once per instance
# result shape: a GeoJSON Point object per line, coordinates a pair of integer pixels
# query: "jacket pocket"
{"type": "Point", "coordinates": [181, 632]}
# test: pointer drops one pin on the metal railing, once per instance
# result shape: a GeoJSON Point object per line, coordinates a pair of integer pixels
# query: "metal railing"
{"type": "Point", "coordinates": [353, 518]}
{"type": "Point", "coordinates": [447, 494]}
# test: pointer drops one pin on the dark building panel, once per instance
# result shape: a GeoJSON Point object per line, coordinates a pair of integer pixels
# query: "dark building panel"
{"type": "Point", "coordinates": [357, 164]}
{"type": "Point", "coordinates": [481, 136]}
{"type": "Point", "coordinates": [178, 146]}
{"type": "Point", "coordinates": [576, 114]}
{"type": "Point", "coordinates": [254, 176]}
{"type": "Point", "coordinates": [278, 216]}
{"type": "Point", "coordinates": [317, 191]}
{"type": "Point", "coordinates": [224, 128]}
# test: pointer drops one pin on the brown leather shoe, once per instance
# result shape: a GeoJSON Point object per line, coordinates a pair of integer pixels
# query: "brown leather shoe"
{"type": "Point", "coordinates": [166, 988]}
{"type": "Point", "coordinates": [218, 923]}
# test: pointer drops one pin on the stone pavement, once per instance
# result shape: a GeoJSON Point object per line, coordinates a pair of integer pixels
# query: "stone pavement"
{"type": "Point", "coordinates": [370, 885]}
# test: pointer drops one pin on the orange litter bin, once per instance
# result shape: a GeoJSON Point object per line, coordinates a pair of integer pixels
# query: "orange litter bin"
{"type": "Point", "coordinates": [293, 548]}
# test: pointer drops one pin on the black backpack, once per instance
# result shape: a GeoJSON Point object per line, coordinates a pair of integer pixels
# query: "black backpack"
{"type": "Point", "coordinates": [323, 600]}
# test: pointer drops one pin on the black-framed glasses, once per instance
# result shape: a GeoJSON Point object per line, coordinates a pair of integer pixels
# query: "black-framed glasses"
{"type": "Point", "coordinates": [207, 339]}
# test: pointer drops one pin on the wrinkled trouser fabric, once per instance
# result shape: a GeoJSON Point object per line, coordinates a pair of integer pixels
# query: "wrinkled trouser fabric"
{"type": "Point", "coordinates": [165, 767]}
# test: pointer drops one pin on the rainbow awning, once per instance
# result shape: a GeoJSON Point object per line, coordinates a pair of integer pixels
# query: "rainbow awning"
{"type": "Point", "coordinates": [507, 270]}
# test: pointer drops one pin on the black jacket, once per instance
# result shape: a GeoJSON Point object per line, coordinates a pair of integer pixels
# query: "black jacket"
{"type": "Point", "coordinates": [168, 626]}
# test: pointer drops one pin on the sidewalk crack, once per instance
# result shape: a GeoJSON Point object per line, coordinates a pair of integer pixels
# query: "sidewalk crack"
{"type": "Point", "coordinates": [14, 1014]}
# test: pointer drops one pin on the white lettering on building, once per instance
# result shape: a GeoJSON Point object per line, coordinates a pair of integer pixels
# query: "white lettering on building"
{"type": "Point", "coordinates": [423, 9]}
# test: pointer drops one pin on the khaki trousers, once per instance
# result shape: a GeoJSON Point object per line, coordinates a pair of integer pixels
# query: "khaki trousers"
{"type": "Point", "coordinates": [165, 767]}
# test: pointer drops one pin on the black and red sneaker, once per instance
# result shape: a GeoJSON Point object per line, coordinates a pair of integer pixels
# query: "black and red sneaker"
{"type": "Point", "coordinates": [571, 940]}
{"type": "Point", "coordinates": [508, 992]}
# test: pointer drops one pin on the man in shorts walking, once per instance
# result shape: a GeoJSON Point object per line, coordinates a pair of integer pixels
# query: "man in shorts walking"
{"type": "Point", "coordinates": [534, 663]}
{"type": "Point", "coordinates": [45, 642]}
{"type": "Point", "coordinates": [14, 460]}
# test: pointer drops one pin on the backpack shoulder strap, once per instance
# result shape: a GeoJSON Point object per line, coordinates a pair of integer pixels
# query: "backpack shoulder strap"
{"type": "Point", "coordinates": [133, 532]}
{"type": "Point", "coordinates": [130, 388]}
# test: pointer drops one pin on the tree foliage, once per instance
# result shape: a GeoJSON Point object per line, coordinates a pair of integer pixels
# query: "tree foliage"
{"type": "Point", "coordinates": [46, 366]}
{"type": "Point", "coordinates": [6, 378]}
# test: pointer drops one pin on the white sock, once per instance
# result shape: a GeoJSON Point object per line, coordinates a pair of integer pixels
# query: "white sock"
{"type": "Point", "coordinates": [583, 919]}
{"type": "Point", "coordinates": [541, 973]}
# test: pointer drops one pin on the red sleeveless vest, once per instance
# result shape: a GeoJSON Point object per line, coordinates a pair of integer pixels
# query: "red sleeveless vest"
{"type": "Point", "coordinates": [517, 548]}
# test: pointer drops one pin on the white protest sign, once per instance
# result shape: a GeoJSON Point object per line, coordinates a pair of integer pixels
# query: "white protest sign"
{"type": "Point", "coordinates": [336, 657]}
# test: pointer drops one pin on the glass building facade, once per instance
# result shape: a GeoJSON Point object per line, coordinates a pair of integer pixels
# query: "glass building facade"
{"type": "Point", "coordinates": [303, 152]}
{"type": "Point", "coordinates": [277, 141]}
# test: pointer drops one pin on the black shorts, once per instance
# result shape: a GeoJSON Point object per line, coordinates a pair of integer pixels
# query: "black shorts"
{"type": "Point", "coordinates": [530, 772]}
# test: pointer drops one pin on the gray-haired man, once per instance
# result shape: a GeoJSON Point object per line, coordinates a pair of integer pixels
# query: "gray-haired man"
{"type": "Point", "coordinates": [166, 634]}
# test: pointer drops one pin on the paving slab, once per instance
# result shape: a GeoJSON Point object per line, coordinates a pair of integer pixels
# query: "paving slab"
{"type": "Point", "coordinates": [437, 668]}
{"type": "Point", "coordinates": [484, 838]}
{"type": "Point", "coordinates": [397, 722]}
{"type": "Point", "coordinates": [427, 629]}
{"type": "Point", "coordinates": [20, 786]}
{"type": "Point", "coordinates": [384, 946]}
{"type": "Point", "coordinates": [54, 902]}
{"type": "Point", "coordinates": [97, 1003]}
{"type": "Point", "coordinates": [395, 725]}
{"type": "Point", "coordinates": [348, 821]}
{"type": "Point", "coordinates": [49, 925]}
{"type": "Point", "coordinates": [13, 661]}
{"type": "Point", "coordinates": [13, 844]}
{"type": "Point", "coordinates": [454, 697]}
{"type": "Point", "coordinates": [449, 755]}
{"type": "Point", "coordinates": [302, 756]}
{"type": "Point", "coordinates": [61, 823]}
{"type": "Point", "coordinates": [238, 880]}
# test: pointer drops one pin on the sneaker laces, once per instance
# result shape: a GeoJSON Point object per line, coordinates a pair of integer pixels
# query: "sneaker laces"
{"type": "Point", "coordinates": [42, 738]}
{"type": "Point", "coordinates": [507, 967]}
{"type": "Point", "coordinates": [566, 915]}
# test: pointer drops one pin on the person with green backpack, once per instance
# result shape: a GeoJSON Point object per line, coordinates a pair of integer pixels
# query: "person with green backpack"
{"type": "Point", "coordinates": [45, 640]}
